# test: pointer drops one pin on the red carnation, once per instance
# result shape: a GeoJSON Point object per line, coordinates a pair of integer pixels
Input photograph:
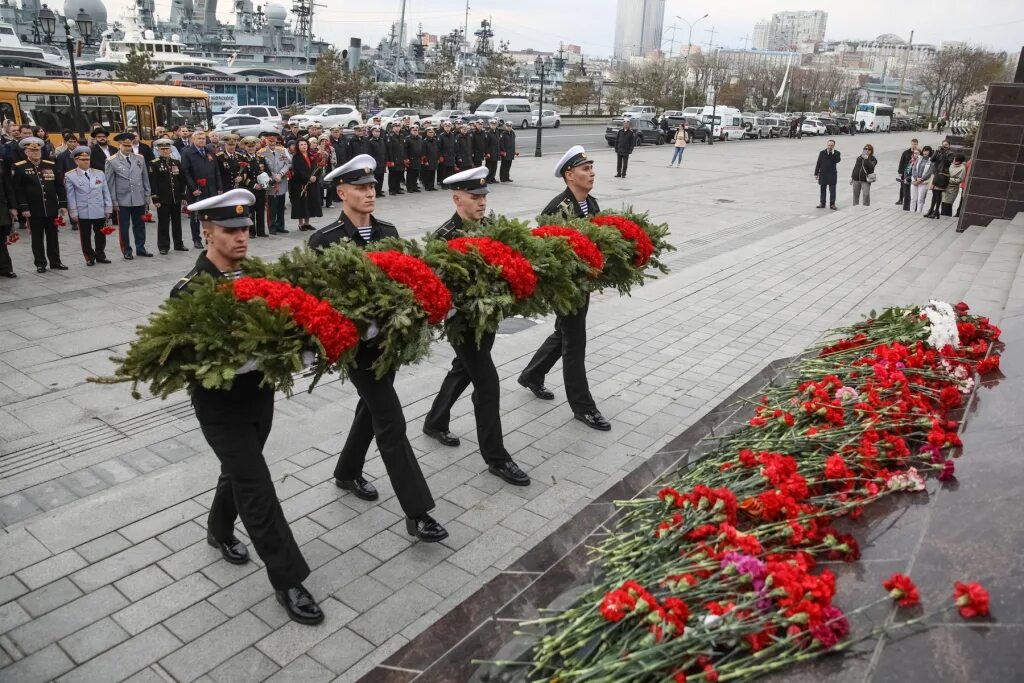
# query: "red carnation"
{"type": "Point", "coordinates": [515, 269]}
{"type": "Point", "coordinates": [630, 231]}
{"type": "Point", "coordinates": [902, 590]}
{"type": "Point", "coordinates": [12, 238]}
{"type": "Point", "coordinates": [431, 294]}
{"type": "Point", "coordinates": [107, 229]}
{"type": "Point", "coordinates": [971, 599]}
{"type": "Point", "coordinates": [201, 182]}
{"type": "Point", "coordinates": [581, 244]}
{"type": "Point", "coordinates": [990, 364]}
{"type": "Point", "coordinates": [949, 397]}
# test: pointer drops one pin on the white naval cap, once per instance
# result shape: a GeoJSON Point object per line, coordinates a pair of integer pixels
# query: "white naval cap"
{"type": "Point", "coordinates": [357, 171]}
{"type": "Point", "coordinates": [576, 156]}
{"type": "Point", "coordinates": [473, 180]}
{"type": "Point", "coordinates": [228, 210]}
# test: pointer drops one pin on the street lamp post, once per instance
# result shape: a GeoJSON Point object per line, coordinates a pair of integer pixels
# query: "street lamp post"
{"type": "Point", "coordinates": [540, 67]}
{"type": "Point", "coordinates": [48, 22]}
{"type": "Point", "coordinates": [716, 83]}
{"type": "Point", "coordinates": [686, 59]}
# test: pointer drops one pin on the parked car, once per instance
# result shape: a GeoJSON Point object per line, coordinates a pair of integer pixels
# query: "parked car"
{"type": "Point", "coordinates": [329, 115]}
{"type": "Point", "coordinates": [813, 127]}
{"type": "Point", "coordinates": [754, 127]}
{"type": "Point", "coordinates": [439, 117]}
{"type": "Point", "coordinates": [845, 124]}
{"type": "Point", "coordinates": [244, 125]}
{"type": "Point", "coordinates": [776, 126]}
{"type": "Point", "coordinates": [517, 110]}
{"type": "Point", "coordinates": [638, 111]}
{"type": "Point", "coordinates": [263, 113]}
{"type": "Point", "coordinates": [697, 130]}
{"type": "Point", "coordinates": [552, 119]}
{"type": "Point", "coordinates": [674, 117]}
{"type": "Point", "coordinates": [392, 114]}
{"type": "Point", "coordinates": [646, 131]}
{"type": "Point", "coordinates": [831, 125]}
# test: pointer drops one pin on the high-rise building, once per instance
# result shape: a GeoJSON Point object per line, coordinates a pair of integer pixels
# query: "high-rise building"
{"type": "Point", "coordinates": [789, 29]}
{"type": "Point", "coordinates": [761, 31]}
{"type": "Point", "coordinates": [638, 26]}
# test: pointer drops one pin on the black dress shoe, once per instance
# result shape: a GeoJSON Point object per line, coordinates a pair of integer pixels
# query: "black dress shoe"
{"type": "Point", "coordinates": [618, 175]}
{"type": "Point", "coordinates": [820, 206]}
{"type": "Point", "coordinates": [282, 231]}
{"type": "Point", "coordinates": [510, 472]}
{"type": "Point", "coordinates": [10, 275]}
{"type": "Point", "coordinates": [90, 262]}
{"type": "Point", "coordinates": [180, 247]}
{"type": "Point", "coordinates": [41, 269]}
{"type": "Point", "coordinates": [300, 605]}
{"type": "Point", "coordinates": [446, 438]}
{"type": "Point", "coordinates": [102, 259]}
{"type": "Point", "coordinates": [359, 486]}
{"type": "Point", "coordinates": [425, 528]}
{"type": "Point", "coordinates": [833, 207]}
{"type": "Point", "coordinates": [234, 551]}
{"type": "Point", "coordinates": [594, 420]}
{"type": "Point", "coordinates": [143, 252]}
{"type": "Point", "coordinates": [128, 256]}
{"type": "Point", "coordinates": [163, 252]}
{"type": "Point", "coordinates": [539, 390]}
{"type": "Point", "coordinates": [197, 244]}
{"type": "Point", "coordinates": [58, 266]}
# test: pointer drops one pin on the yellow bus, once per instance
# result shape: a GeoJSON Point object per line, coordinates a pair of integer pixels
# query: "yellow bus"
{"type": "Point", "coordinates": [115, 105]}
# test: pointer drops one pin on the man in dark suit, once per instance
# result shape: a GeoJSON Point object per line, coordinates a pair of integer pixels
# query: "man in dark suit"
{"type": "Point", "coordinates": [101, 151]}
{"type": "Point", "coordinates": [202, 177]}
{"type": "Point", "coordinates": [901, 171]}
{"type": "Point", "coordinates": [826, 174]}
{"type": "Point", "coordinates": [625, 141]}
{"type": "Point", "coordinates": [569, 340]}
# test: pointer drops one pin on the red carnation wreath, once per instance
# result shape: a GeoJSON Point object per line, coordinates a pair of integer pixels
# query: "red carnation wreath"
{"type": "Point", "coordinates": [337, 333]}
{"type": "Point", "coordinates": [426, 286]}
{"type": "Point", "coordinates": [515, 268]}
{"type": "Point", "coordinates": [580, 243]}
{"type": "Point", "coordinates": [631, 231]}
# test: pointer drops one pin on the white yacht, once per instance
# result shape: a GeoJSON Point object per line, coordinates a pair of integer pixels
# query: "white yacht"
{"type": "Point", "coordinates": [11, 48]}
{"type": "Point", "coordinates": [163, 53]}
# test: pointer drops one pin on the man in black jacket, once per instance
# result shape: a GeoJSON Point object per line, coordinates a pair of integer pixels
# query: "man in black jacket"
{"type": "Point", "coordinates": [236, 423]}
{"type": "Point", "coordinates": [446, 154]}
{"type": "Point", "coordinates": [40, 199]}
{"type": "Point", "coordinates": [625, 141]}
{"type": "Point", "coordinates": [8, 212]}
{"type": "Point", "coordinates": [479, 140]}
{"type": "Point", "coordinates": [492, 149]}
{"type": "Point", "coordinates": [507, 152]}
{"type": "Point", "coordinates": [569, 340]}
{"type": "Point", "coordinates": [901, 171]}
{"type": "Point", "coordinates": [826, 174]}
{"type": "Point", "coordinates": [379, 410]}
{"type": "Point", "coordinates": [101, 151]}
{"type": "Point", "coordinates": [428, 168]}
{"type": "Point", "coordinates": [397, 160]}
{"type": "Point", "coordinates": [377, 147]}
{"type": "Point", "coordinates": [202, 177]}
{"type": "Point", "coordinates": [464, 149]}
{"type": "Point", "coordinates": [167, 183]}
{"type": "Point", "coordinates": [414, 152]}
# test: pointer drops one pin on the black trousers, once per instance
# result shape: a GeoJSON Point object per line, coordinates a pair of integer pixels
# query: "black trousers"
{"type": "Point", "coordinates": [506, 166]}
{"type": "Point", "coordinates": [168, 225]}
{"type": "Point", "coordinates": [259, 213]}
{"type": "Point", "coordinates": [443, 172]}
{"type": "Point", "coordinates": [831, 192]}
{"type": "Point", "coordinates": [621, 164]}
{"type": "Point", "coordinates": [473, 365]}
{"type": "Point", "coordinates": [903, 191]}
{"type": "Point", "coordinates": [195, 226]}
{"type": "Point", "coordinates": [90, 229]}
{"type": "Point", "coordinates": [5, 256]}
{"type": "Point", "coordinates": [43, 230]}
{"type": "Point", "coordinates": [379, 415]}
{"type": "Point", "coordinates": [568, 342]}
{"type": "Point", "coordinates": [411, 180]}
{"type": "Point", "coordinates": [245, 489]}
{"type": "Point", "coordinates": [492, 169]}
{"type": "Point", "coordinates": [427, 176]}
{"type": "Point", "coordinates": [395, 174]}
{"type": "Point", "coordinates": [328, 194]}
{"type": "Point", "coordinates": [277, 212]}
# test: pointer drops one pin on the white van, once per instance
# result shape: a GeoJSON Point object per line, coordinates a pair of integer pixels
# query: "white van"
{"type": "Point", "coordinates": [728, 122]}
{"type": "Point", "coordinates": [516, 110]}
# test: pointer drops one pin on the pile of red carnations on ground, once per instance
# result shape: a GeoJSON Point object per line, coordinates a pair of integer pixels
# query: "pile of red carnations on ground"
{"type": "Point", "coordinates": [716, 578]}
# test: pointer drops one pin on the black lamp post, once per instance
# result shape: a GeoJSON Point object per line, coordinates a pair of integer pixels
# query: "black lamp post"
{"type": "Point", "coordinates": [803, 94]}
{"type": "Point", "coordinates": [48, 22]}
{"type": "Point", "coordinates": [540, 67]}
{"type": "Point", "coordinates": [716, 83]}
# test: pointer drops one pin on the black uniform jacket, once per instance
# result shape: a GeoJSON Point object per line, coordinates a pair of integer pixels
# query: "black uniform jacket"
{"type": "Point", "coordinates": [377, 147]}
{"type": "Point", "coordinates": [166, 181]}
{"type": "Point", "coordinates": [343, 230]}
{"type": "Point", "coordinates": [451, 228]}
{"type": "Point", "coordinates": [446, 150]}
{"type": "Point", "coordinates": [567, 205]}
{"type": "Point", "coordinates": [507, 145]}
{"type": "Point", "coordinates": [229, 169]}
{"type": "Point", "coordinates": [37, 189]}
{"type": "Point", "coordinates": [464, 151]}
{"type": "Point", "coordinates": [415, 150]}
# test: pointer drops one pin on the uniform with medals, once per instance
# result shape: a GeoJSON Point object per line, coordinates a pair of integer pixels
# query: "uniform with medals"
{"type": "Point", "coordinates": [42, 197]}
{"type": "Point", "coordinates": [378, 412]}
{"type": "Point", "coordinates": [473, 365]}
{"type": "Point", "coordinates": [229, 163]}
{"type": "Point", "coordinates": [253, 165]}
{"type": "Point", "coordinates": [89, 205]}
{"type": "Point", "coordinates": [569, 340]}
{"type": "Point", "coordinates": [236, 422]}
{"type": "Point", "coordinates": [167, 183]}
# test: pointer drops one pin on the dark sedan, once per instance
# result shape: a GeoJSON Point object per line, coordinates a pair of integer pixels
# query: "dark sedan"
{"type": "Point", "coordinates": [646, 131]}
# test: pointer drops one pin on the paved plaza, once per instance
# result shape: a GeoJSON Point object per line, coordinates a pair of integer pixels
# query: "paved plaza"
{"type": "Point", "coordinates": [105, 573]}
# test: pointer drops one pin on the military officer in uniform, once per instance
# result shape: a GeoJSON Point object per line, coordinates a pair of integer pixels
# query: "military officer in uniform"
{"type": "Point", "coordinates": [255, 166]}
{"type": "Point", "coordinates": [128, 182]}
{"type": "Point", "coordinates": [8, 215]}
{"type": "Point", "coordinates": [379, 410]}
{"type": "Point", "coordinates": [40, 198]}
{"type": "Point", "coordinates": [89, 205]}
{"type": "Point", "coordinates": [397, 160]}
{"type": "Point", "coordinates": [236, 423]}
{"type": "Point", "coordinates": [492, 149]}
{"type": "Point", "coordinates": [167, 183]}
{"type": "Point", "coordinates": [569, 340]}
{"type": "Point", "coordinates": [472, 363]}
{"type": "Point", "coordinates": [228, 160]}
{"type": "Point", "coordinates": [202, 176]}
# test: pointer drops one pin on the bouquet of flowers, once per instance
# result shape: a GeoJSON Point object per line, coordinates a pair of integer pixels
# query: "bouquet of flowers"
{"type": "Point", "coordinates": [217, 327]}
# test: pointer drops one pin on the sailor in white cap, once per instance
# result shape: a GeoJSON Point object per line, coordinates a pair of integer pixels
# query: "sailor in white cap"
{"type": "Point", "coordinates": [40, 198]}
{"type": "Point", "coordinates": [472, 363]}
{"type": "Point", "coordinates": [569, 340]}
{"type": "Point", "coordinates": [236, 423]}
{"type": "Point", "coordinates": [379, 410]}
{"type": "Point", "coordinates": [89, 205]}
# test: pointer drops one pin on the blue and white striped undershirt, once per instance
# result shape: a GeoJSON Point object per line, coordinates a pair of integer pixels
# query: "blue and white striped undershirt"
{"type": "Point", "coordinates": [365, 233]}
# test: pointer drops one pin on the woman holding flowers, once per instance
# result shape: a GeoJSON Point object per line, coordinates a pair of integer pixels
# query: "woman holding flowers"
{"type": "Point", "coordinates": [303, 187]}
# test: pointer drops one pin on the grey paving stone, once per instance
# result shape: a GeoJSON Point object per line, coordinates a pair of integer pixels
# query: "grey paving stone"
{"type": "Point", "coordinates": [50, 597]}
{"type": "Point", "coordinates": [51, 569]}
{"type": "Point", "coordinates": [302, 670]}
{"type": "Point", "coordinates": [445, 578]}
{"type": "Point", "coordinates": [292, 639]}
{"type": "Point", "coordinates": [63, 621]}
{"type": "Point", "coordinates": [270, 612]}
{"type": "Point", "coordinates": [317, 553]}
{"type": "Point", "coordinates": [190, 559]}
{"type": "Point", "coordinates": [83, 483]}
{"type": "Point", "coordinates": [242, 594]}
{"type": "Point", "coordinates": [363, 592]}
{"type": "Point", "coordinates": [164, 603]}
{"type": "Point", "coordinates": [43, 666]}
{"type": "Point", "coordinates": [143, 582]}
{"type": "Point", "coordinates": [93, 639]}
{"type": "Point", "coordinates": [523, 521]}
{"type": "Point", "coordinates": [11, 588]}
{"type": "Point", "coordinates": [341, 650]}
{"type": "Point", "coordinates": [129, 657]}
{"type": "Point", "coordinates": [248, 665]}
{"type": "Point", "coordinates": [147, 675]}
{"type": "Point", "coordinates": [353, 532]}
{"type": "Point", "coordinates": [475, 556]}
{"type": "Point", "coordinates": [104, 546]}
{"type": "Point", "coordinates": [385, 544]}
{"type": "Point", "coordinates": [120, 565]}
{"type": "Point", "coordinates": [161, 521]}
{"type": "Point", "coordinates": [143, 460]}
{"type": "Point", "coordinates": [395, 613]}
{"type": "Point", "coordinates": [11, 615]}
{"type": "Point", "coordinates": [16, 507]}
{"type": "Point", "coordinates": [225, 574]}
{"type": "Point", "coordinates": [193, 622]}
{"type": "Point", "coordinates": [339, 572]}
{"type": "Point", "coordinates": [114, 472]}
{"type": "Point", "coordinates": [170, 450]}
{"type": "Point", "coordinates": [410, 564]}
{"type": "Point", "coordinates": [182, 535]}
{"type": "Point", "coordinates": [217, 646]}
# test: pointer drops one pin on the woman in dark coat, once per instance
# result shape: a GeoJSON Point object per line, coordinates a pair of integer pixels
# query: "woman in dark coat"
{"type": "Point", "coordinates": [304, 185]}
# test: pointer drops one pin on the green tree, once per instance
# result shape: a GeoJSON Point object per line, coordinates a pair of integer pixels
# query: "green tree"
{"type": "Point", "coordinates": [138, 68]}
{"type": "Point", "coordinates": [401, 95]}
{"type": "Point", "coordinates": [442, 80]}
{"type": "Point", "coordinates": [359, 86]}
{"type": "Point", "coordinates": [325, 83]}
{"type": "Point", "coordinates": [576, 91]}
{"type": "Point", "coordinates": [498, 77]}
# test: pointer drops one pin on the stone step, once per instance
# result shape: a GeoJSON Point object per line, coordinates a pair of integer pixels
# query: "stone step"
{"type": "Point", "coordinates": [953, 246]}
{"type": "Point", "coordinates": [990, 290]}
{"type": "Point", "coordinates": [937, 244]}
{"type": "Point", "coordinates": [958, 280]}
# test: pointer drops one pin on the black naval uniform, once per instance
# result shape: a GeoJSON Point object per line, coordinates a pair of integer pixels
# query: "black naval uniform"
{"type": "Point", "coordinates": [39, 193]}
{"type": "Point", "coordinates": [254, 166]}
{"type": "Point", "coordinates": [236, 423]}
{"type": "Point", "coordinates": [379, 410]}
{"type": "Point", "coordinates": [415, 150]}
{"type": "Point", "coordinates": [446, 155]}
{"type": "Point", "coordinates": [472, 365]}
{"type": "Point", "coordinates": [463, 151]}
{"type": "Point", "coordinates": [507, 151]}
{"type": "Point", "coordinates": [7, 203]}
{"type": "Point", "coordinates": [167, 183]}
{"type": "Point", "coordinates": [396, 163]}
{"type": "Point", "coordinates": [377, 147]}
{"type": "Point", "coordinates": [230, 169]}
{"type": "Point", "coordinates": [492, 150]}
{"type": "Point", "coordinates": [569, 340]}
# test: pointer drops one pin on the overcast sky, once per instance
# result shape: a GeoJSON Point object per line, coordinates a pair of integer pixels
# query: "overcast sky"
{"type": "Point", "coordinates": [542, 24]}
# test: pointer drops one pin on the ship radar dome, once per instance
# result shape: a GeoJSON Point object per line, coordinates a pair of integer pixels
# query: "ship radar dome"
{"type": "Point", "coordinates": [95, 8]}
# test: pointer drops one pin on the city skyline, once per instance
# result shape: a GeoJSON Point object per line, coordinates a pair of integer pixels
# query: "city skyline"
{"type": "Point", "coordinates": [994, 24]}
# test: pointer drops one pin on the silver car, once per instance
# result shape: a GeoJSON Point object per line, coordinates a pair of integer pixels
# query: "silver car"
{"type": "Point", "coordinates": [245, 125]}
